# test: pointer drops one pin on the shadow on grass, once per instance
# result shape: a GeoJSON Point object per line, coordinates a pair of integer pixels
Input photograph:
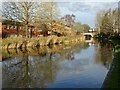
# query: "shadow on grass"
{"type": "Point", "coordinates": [112, 80]}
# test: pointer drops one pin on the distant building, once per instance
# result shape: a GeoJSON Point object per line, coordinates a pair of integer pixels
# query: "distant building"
{"type": "Point", "coordinates": [13, 28]}
{"type": "Point", "coordinates": [91, 30]}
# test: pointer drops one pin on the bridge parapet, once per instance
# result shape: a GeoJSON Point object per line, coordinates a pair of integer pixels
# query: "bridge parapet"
{"type": "Point", "coordinates": [91, 34]}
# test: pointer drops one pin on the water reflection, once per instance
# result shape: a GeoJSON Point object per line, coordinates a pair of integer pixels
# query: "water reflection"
{"type": "Point", "coordinates": [76, 65]}
{"type": "Point", "coordinates": [106, 52]}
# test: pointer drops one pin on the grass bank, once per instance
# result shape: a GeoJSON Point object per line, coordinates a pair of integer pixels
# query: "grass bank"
{"type": "Point", "coordinates": [62, 49]}
{"type": "Point", "coordinates": [20, 42]}
{"type": "Point", "coordinates": [112, 80]}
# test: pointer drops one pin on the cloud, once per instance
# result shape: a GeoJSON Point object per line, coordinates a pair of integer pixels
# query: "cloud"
{"type": "Point", "coordinates": [90, 7]}
{"type": "Point", "coordinates": [86, 0]}
{"type": "Point", "coordinates": [62, 0]}
{"type": "Point", "coordinates": [85, 12]}
{"type": "Point", "coordinates": [79, 6]}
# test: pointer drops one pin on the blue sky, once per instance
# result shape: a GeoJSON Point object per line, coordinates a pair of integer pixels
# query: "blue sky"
{"type": "Point", "coordinates": [85, 12]}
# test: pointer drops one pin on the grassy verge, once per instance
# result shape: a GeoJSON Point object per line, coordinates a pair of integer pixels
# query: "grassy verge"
{"type": "Point", "coordinates": [112, 79]}
{"type": "Point", "coordinates": [39, 41]}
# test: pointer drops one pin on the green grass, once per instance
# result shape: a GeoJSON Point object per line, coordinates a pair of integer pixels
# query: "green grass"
{"type": "Point", "coordinates": [7, 41]}
{"type": "Point", "coordinates": [113, 80]}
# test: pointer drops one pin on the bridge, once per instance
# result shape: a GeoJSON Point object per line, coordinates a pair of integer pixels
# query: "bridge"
{"type": "Point", "coordinates": [89, 34]}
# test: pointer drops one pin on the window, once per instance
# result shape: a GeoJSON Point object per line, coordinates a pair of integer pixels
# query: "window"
{"type": "Point", "coordinates": [8, 26]}
{"type": "Point", "coordinates": [15, 27]}
{"type": "Point", "coordinates": [20, 28]}
{"type": "Point", "coordinates": [11, 27]}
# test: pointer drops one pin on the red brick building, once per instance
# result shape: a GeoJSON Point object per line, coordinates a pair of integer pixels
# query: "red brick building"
{"type": "Point", "coordinates": [12, 28]}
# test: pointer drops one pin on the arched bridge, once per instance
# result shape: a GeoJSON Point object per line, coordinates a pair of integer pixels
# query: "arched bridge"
{"type": "Point", "coordinates": [89, 34]}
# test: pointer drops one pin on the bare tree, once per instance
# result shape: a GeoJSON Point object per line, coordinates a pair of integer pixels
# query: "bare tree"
{"type": "Point", "coordinates": [107, 21]}
{"type": "Point", "coordinates": [99, 17]}
{"type": "Point", "coordinates": [19, 11]}
{"type": "Point", "coordinates": [48, 11]}
{"type": "Point", "coordinates": [30, 12]}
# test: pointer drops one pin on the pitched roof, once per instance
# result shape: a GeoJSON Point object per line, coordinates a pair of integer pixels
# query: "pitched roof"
{"type": "Point", "coordinates": [10, 22]}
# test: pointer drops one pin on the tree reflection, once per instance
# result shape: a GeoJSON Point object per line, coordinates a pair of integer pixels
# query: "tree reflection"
{"type": "Point", "coordinates": [70, 55]}
{"type": "Point", "coordinates": [105, 54]}
{"type": "Point", "coordinates": [31, 72]}
{"type": "Point", "coordinates": [38, 67]}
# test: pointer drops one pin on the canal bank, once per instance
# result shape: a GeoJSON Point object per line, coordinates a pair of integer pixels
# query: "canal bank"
{"type": "Point", "coordinates": [112, 80]}
{"type": "Point", "coordinates": [9, 53]}
{"type": "Point", "coordinates": [19, 42]}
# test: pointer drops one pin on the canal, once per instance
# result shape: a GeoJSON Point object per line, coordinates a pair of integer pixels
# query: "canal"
{"type": "Point", "coordinates": [81, 65]}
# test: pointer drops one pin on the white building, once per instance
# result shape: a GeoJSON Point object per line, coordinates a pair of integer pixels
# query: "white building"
{"type": "Point", "coordinates": [91, 30]}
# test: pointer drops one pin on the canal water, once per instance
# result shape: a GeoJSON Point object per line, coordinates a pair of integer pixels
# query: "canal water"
{"type": "Point", "coordinates": [82, 65]}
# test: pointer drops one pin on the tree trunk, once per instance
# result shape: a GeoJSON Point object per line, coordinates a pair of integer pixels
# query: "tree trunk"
{"type": "Point", "coordinates": [26, 29]}
{"type": "Point", "coordinates": [17, 31]}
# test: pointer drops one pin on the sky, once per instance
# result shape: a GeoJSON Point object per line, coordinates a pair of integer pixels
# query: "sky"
{"type": "Point", "coordinates": [85, 12]}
